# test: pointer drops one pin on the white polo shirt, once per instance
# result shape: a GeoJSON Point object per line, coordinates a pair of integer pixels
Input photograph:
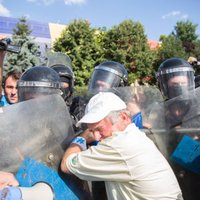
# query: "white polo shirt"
{"type": "Point", "coordinates": [131, 166]}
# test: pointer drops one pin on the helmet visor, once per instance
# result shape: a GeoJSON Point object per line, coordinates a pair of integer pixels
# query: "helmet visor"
{"type": "Point", "coordinates": [33, 89]}
{"type": "Point", "coordinates": [177, 81]}
{"type": "Point", "coordinates": [26, 93]}
{"type": "Point", "coordinates": [103, 79]}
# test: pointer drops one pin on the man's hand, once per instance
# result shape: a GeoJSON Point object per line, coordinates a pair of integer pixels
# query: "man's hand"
{"type": "Point", "coordinates": [7, 179]}
{"type": "Point", "coordinates": [90, 136]}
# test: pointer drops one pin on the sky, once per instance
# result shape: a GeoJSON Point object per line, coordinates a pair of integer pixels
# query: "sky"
{"type": "Point", "coordinates": [159, 17]}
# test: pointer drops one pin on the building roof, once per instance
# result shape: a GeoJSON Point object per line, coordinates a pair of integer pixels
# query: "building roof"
{"type": "Point", "coordinates": [153, 44]}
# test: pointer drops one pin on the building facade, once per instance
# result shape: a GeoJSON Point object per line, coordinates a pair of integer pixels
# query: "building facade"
{"type": "Point", "coordinates": [44, 33]}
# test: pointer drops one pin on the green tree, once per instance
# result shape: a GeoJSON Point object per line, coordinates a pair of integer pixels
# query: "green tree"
{"type": "Point", "coordinates": [170, 47]}
{"type": "Point", "coordinates": [29, 54]}
{"type": "Point", "coordinates": [196, 54]}
{"type": "Point", "coordinates": [81, 43]}
{"type": "Point", "coordinates": [186, 32]}
{"type": "Point", "coordinates": [182, 42]}
{"type": "Point", "coordinates": [127, 44]}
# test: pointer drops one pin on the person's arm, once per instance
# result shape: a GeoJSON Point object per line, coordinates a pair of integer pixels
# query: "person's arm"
{"type": "Point", "coordinates": [7, 179]}
{"type": "Point", "coordinates": [73, 148]}
{"type": "Point", "coordinates": [77, 145]}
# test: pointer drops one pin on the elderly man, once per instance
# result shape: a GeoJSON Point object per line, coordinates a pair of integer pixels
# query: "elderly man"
{"type": "Point", "coordinates": [125, 158]}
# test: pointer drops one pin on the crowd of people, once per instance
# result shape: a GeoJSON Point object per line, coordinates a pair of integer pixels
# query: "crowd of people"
{"type": "Point", "coordinates": [110, 149]}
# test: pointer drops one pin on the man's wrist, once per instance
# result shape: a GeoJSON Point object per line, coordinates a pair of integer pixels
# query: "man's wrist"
{"type": "Point", "coordinates": [81, 142]}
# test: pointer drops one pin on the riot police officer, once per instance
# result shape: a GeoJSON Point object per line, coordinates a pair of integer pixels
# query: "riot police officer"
{"type": "Point", "coordinates": [175, 78]}
{"type": "Point", "coordinates": [108, 74]}
{"type": "Point", "coordinates": [62, 64]}
{"type": "Point", "coordinates": [38, 81]}
{"type": "Point", "coordinates": [113, 76]}
{"type": "Point", "coordinates": [67, 79]}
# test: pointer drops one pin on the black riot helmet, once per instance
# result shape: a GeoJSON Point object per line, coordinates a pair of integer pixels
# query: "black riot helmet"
{"type": "Point", "coordinates": [67, 78]}
{"type": "Point", "coordinates": [109, 74]}
{"type": "Point", "coordinates": [175, 77]}
{"type": "Point", "coordinates": [38, 81]}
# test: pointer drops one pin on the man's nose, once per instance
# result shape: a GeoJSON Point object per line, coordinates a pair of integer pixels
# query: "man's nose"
{"type": "Point", "coordinates": [14, 90]}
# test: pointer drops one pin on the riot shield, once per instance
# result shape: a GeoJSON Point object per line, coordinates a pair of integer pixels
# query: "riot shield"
{"type": "Point", "coordinates": [139, 99]}
{"type": "Point", "coordinates": [175, 126]}
{"type": "Point", "coordinates": [58, 58]}
{"type": "Point", "coordinates": [178, 116]}
{"type": "Point", "coordinates": [40, 128]}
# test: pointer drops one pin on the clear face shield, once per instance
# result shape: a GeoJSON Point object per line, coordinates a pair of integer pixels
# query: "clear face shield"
{"type": "Point", "coordinates": [33, 89]}
{"type": "Point", "coordinates": [104, 78]}
{"type": "Point", "coordinates": [177, 81]}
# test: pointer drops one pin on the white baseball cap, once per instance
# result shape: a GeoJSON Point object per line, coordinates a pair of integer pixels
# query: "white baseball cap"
{"type": "Point", "coordinates": [100, 106]}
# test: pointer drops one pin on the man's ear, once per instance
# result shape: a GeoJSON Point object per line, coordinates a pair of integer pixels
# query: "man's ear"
{"type": "Point", "coordinates": [124, 116]}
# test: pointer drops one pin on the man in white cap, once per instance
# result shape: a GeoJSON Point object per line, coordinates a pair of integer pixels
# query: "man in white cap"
{"type": "Point", "coordinates": [125, 158]}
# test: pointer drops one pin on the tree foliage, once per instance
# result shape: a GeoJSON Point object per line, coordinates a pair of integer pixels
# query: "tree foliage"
{"type": "Point", "coordinates": [171, 47]}
{"type": "Point", "coordinates": [127, 44]}
{"type": "Point", "coordinates": [29, 54]}
{"type": "Point", "coordinates": [185, 31]}
{"type": "Point", "coordinates": [196, 51]}
{"type": "Point", "coordinates": [196, 54]}
{"type": "Point", "coordinates": [80, 42]}
{"type": "Point", "coordinates": [182, 42]}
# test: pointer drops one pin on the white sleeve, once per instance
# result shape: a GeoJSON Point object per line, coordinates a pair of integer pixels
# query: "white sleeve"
{"type": "Point", "coordinates": [101, 162]}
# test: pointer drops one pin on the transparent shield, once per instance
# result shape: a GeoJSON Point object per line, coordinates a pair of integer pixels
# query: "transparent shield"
{"type": "Point", "coordinates": [175, 127]}
{"type": "Point", "coordinates": [56, 58]}
{"type": "Point", "coordinates": [40, 128]}
{"type": "Point", "coordinates": [138, 99]}
{"type": "Point", "coordinates": [172, 125]}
